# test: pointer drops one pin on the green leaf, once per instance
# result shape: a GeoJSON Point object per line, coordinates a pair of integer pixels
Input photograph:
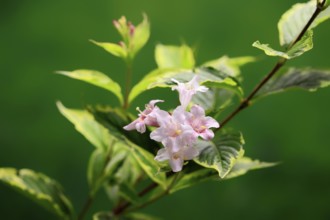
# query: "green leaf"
{"type": "Point", "coordinates": [194, 178]}
{"type": "Point", "coordinates": [221, 154]}
{"type": "Point", "coordinates": [302, 46]}
{"type": "Point", "coordinates": [308, 79]}
{"type": "Point", "coordinates": [114, 119]}
{"type": "Point", "coordinates": [96, 78]}
{"type": "Point", "coordinates": [140, 36]}
{"type": "Point", "coordinates": [115, 49]}
{"type": "Point", "coordinates": [128, 193]}
{"type": "Point", "coordinates": [245, 164]}
{"type": "Point", "coordinates": [294, 20]}
{"type": "Point", "coordinates": [95, 171]}
{"type": "Point", "coordinates": [230, 65]}
{"type": "Point", "coordinates": [85, 124]}
{"type": "Point", "coordinates": [139, 216]}
{"type": "Point", "coordinates": [207, 76]}
{"type": "Point", "coordinates": [104, 216]}
{"type": "Point", "coordinates": [149, 165]}
{"type": "Point", "coordinates": [150, 78]}
{"type": "Point", "coordinates": [40, 188]}
{"type": "Point", "coordinates": [168, 56]}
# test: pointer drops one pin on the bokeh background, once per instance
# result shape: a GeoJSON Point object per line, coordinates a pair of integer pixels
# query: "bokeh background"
{"type": "Point", "coordinates": [38, 37]}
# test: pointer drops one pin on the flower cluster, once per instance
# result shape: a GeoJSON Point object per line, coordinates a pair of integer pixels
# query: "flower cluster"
{"type": "Point", "coordinates": [177, 131]}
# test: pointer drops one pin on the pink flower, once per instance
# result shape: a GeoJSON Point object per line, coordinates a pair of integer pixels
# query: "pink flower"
{"type": "Point", "coordinates": [201, 123]}
{"type": "Point", "coordinates": [174, 130]}
{"type": "Point", "coordinates": [187, 90]}
{"type": "Point", "coordinates": [147, 117]}
{"type": "Point", "coordinates": [177, 158]}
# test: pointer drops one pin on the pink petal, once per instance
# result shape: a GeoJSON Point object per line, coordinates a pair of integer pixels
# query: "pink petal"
{"type": "Point", "coordinates": [131, 126]}
{"type": "Point", "coordinates": [176, 163]}
{"type": "Point", "coordinates": [207, 134]}
{"type": "Point", "coordinates": [162, 155]}
{"type": "Point", "coordinates": [211, 122]}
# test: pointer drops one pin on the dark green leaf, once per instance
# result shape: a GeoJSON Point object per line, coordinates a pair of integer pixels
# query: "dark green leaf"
{"type": "Point", "coordinates": [194, 178]}
{"type": "Point", "coordinates": [114, 119]}
{"type": "Point", "coordinates": [40, 188]}
{"type": "Point", "coordinates": [308, 79]}
{"type": "Point", "coordinates": [96, 78]}
{"type": "Point", "coordinates": [174, 56]}
{"type": "Point", "coordinates": [221, 154]}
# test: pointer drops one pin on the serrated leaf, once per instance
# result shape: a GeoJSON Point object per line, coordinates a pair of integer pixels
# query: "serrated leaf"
{"type": "Point", "coordinates": [229, 65]}
{"type": "Point", "coordinates": [245, 164]}
{"type": "Point", "coordinates": [294, 20]}
{"type": "Point", "coordinates": [308, 79]}
{"type": "Point", "coordinates": [96, 78]}
{"type": "Point", "coordinates": [114, 49]}
{"type": "Point", "coordinates": [222, 153]}
{"type": "Point", "coordinates": [299, 48]}
{"type": "Point", "coordinates": [149, 165]}
{"type": "Point", "coordinates": [95, 171]}
{"type": "Point", "coordinates": [141, 35]}
{"type": "Point", "coordinates": [168, 56]}
{"type": "Point", "coordinates": [85, 124]}
{"type": "Point", "coordinates": [194, 178]}
{"type": "Point", "coordinates": [40, 188]}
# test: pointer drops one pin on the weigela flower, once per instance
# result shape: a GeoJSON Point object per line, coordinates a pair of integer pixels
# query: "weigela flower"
{"type": "Point", "coordinates": [147, 117]}
{"type": "Point", "coordinates": [174, 130]}
{"type": "Point", "coordinates": [201, 123]}
{"type": "Point", "coordinates": [176, 159]}
{"type": "Point", "coordinates": [177, 131]}
{"type": "Point", "coordinates": [187, 90]}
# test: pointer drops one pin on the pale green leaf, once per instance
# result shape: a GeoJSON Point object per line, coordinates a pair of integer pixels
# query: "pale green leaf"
{"type": "Point", "coordinates": [294, 20]}
{"type": "Point", "coordinates": [104, 216]}
{"type": "Point", "coordinates": [207, 76]}
{"type": "Point", "coordinates": [115, 49]}
{"type": "Point", "coordinates": [85, 124]}
{"type": "Point", "coordinates": [230, 65]}
{"type": "Point", "coordinates": [308, 79]}
{"type": "Point", "coordinates": [302, 46]}
{"type": "Point", "coordinates": [149, 165]}
{"type": "Point", "coordinates": [95, 171]}
{"type": "Point", "coordinates": [222, 153]}
{"type": "Point", "coordinates": [245, 164]}
{"type": "Point", "coordinates": [40, 188]}
{"type": "Point", "coordinates": [96, 78]}
{"type": "Point", "coordinates": [139, 216]}
{"type": "Point", "coordinates": [141, 35]}
{"type": "Point", "coordinates": [150, 78]}
{"type": "Point", "coordinates": [168, 56]}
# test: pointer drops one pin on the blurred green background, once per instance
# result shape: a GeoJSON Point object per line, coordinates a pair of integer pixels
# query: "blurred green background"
{"type": "Point", "coordinates": [38, 37]}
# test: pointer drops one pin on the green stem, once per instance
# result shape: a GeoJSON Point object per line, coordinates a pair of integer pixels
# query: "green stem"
{"type": "Point", "coordinates": [128, 82]}
{"type": "Point", "coordinates": [280, 63]}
